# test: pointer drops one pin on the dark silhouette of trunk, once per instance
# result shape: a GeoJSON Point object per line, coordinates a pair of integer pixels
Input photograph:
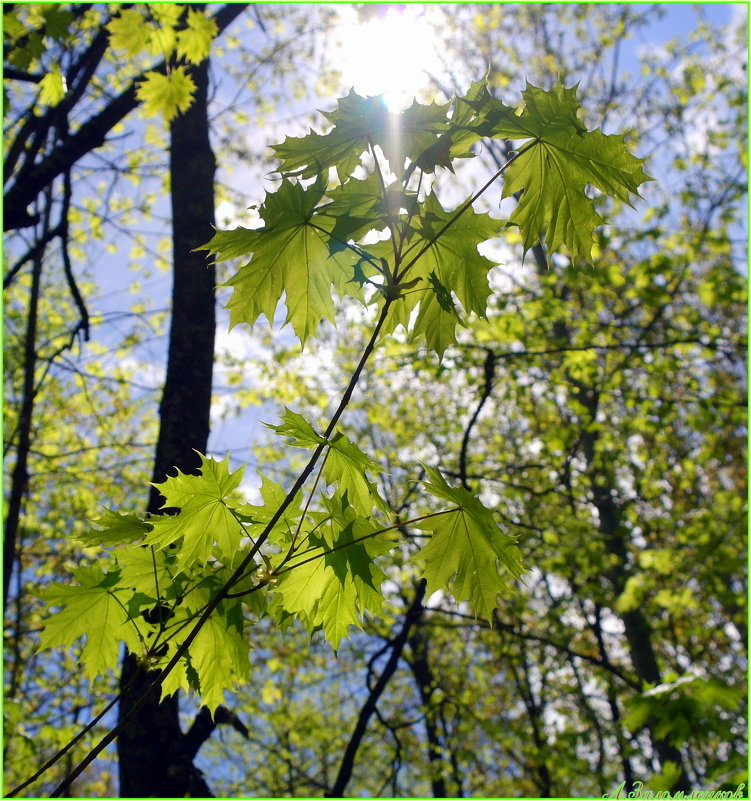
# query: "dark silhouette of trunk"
{"type": "Point", "coordinates": [20, 478]}
{"type": "Point", "coordinates": [156, 758]}
{"type": "Point", "coordinates": [367, 710]}
{"type": "Point", "coordinates": [419, 663]}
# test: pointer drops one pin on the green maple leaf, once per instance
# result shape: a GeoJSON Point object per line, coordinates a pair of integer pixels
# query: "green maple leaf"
{"type": "Point", "coordinates": [453, 257]}
{"type": "Point", "coordinates": [215, 661]}
{"type": "Point", "coordinates": [57, 22]}
{"type": "Point", "coordinates": [129, 31]}
{"type": "Point", "coordinates": [52, 87]}
{"type": "Point", "coordinates": [345, 463]}
{"type": "Point", "coordinates": [298, 429]}
{"type": "Point", "coordinates": [116, 527]}
{"type": "Point", "coordinates": [219, 656]}
{"type": "Point", "coordinates": [360, 122]}
{"type": "Point", "coordinates": [553, 171]}
{"type": "Point", "coordinates": [194, 41]}
{"type": "Point", "coordinates": [466, 548]}
{"type": "Point", "coordinates": [166, 94]}
{"type": "Point", "coordinates": [94, 609]}
{"type": "Point", "coordinates": [205, 517]}
{"type": "Point", "coordinates": [435, 322]}
{"type": "Point", "coordinates": [145, 570]}
{"type": "Point", "coordinates": [291, 256]}
{"type": "Point", "coordinates": [332, 590]}
{"type": "Point", "coordinates": [359, 206]}
{"type": "Point", "coordinates": [451, 262]}
{"type": "Point", "coordinates": [257, 517]}
{"type": "Point", "coordinates": [456, 141]}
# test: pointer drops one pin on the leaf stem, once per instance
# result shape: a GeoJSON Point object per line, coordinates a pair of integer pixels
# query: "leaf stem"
{"type": "Point", "coordinates": [433, 239]}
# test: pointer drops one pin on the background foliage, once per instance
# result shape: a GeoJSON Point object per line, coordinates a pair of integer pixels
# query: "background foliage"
{"type": "Point", "coordinates": [599, 411]}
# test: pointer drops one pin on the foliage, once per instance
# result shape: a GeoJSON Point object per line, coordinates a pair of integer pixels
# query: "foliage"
{"type": "Point", "coordinates": [552, 700]}
{"type": "Point", "coordinates": [213, 554]}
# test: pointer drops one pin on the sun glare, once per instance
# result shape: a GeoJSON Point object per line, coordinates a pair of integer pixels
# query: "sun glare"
{"type": "Point", "coordinates": [390, 56]}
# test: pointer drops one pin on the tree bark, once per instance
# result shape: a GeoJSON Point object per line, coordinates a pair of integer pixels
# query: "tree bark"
{"type": "Point", "coordinates": [155, 757]}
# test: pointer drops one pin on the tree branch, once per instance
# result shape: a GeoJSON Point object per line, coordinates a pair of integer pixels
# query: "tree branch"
{"type": "Point", "coordinates": [397, 647]}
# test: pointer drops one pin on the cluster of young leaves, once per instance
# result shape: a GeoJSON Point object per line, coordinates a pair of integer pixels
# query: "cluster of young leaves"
{"type": "Point", "coordinates": [181, 588]}
{"type": "Point", "coordinates": [28, 31]}
{"type": "Point", "coordinates": [166, 30]}
{"type": "Point", "coordinates": [313, 237]}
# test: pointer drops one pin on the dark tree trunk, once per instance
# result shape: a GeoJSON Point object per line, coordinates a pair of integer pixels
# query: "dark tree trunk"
{"type": "Point", "coordinates": [155, 758]}
{"type": "Point", "coordinates": [419, 663]}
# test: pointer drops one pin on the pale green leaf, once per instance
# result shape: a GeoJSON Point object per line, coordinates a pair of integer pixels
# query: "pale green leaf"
{"type": "Point", "coordinates": [166, 94]}
{"type": "Point", "coordinates": [194, 41]}
{"type": "Point", "coordinates": [467, 555]}
{"type": "Point", "coordinates": [52, 87]}
{"type": "Point", "coordinates": [94, 609]}
{"type": "Point", "coordinates": [129, 31]}
{"type": "Point", "coordinates": [205, 518]}
{"type": "Point", "coordinates": [553, 170]}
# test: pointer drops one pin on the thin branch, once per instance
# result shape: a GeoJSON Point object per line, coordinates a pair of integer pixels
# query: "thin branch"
{"type": "Point", "coordinates": [489, 370]}
{"type": "Point", "coordinates": [368, 708]}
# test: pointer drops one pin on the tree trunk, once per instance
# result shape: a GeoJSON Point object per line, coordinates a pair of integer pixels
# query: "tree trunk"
{"type": "Point", "coordinates": [155, 759]}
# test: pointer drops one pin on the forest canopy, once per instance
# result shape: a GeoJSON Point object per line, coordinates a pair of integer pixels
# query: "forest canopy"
{"type": "Point", "coordinates": [395, 448]}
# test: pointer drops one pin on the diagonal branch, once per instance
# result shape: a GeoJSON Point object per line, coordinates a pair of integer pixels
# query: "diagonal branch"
{"type": "Point", "coordinates": [366, 712]}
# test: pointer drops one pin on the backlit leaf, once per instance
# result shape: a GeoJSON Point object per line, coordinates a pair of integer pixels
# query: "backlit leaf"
{"type": "Point", "coordinates": [94, 609]}
{"type": "Point", "coordinates": [467, 555]}
{"type": "Point", "coordinates": [552, 172]}
{"type": "Point", "coordinates": [205, 518]}
{"type": "Point", "coordinates": [166, 94]}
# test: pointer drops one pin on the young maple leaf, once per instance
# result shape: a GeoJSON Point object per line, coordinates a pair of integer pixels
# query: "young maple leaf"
{"type": "Point", "coordinates": [466, 549]}
{"type": "Point", "coordinates": [93, 608]}
{"type": "Point", "coordinates": [551, 172]}
{"type": "Point", "coordinates": [291, 256]}
{"type": "Point", "coordinates": [166, 94]}
{"type": "Point", "coordinates": [205, 518]}
{"type": "Point", "coordinates": [194, 41]}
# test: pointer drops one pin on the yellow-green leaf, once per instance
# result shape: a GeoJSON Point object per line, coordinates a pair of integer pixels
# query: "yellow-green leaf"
{"type": "Point", "coordinates": [194, 41]}
{"type": "Point", "coordinates": [166, 94]}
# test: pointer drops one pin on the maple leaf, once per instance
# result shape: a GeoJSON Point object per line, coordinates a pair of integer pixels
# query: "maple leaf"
{"type": "Point", "coordinates": [359, 122]}
{"type": "Point", "coordinates": [116, 527]}
{"type": "Point", "coordinates": [345, 463]}
{"type": "Point", "coordinates": [466, 548]}
{"type": "Point", "coordinates": [359, 206]}
{"type": "Point", "coordinates": [332, 589]}
{"type": "Point", "coordinates": [166, 94]}
{"type": "Point", "coordinates": [148, 571]}
{"type": "Point", "coordinates": [291, 256]}
{"type": "Point", "coordinates": [194, 41]}
{"type": "Point", "coordinates": [204, 519]}
{"type": "Point", "coordinates": [129, 31]}
{"type": "Point", "coordinates": [94, 609]}
{"type": "Point", "coordinates": [257, 517]}
{"type": "Point", "coordinates": [453, 262]}
{"type": "Point", "coordinates": [57, 22]}
{"type": "Point", "coordinates": [219, 655]}
{"type": "Point", "coordinates": [552, 172]}
{"type": "Point", "coordinates": [298, 429]}
{"type": "Point", "coordinates": [52, 87]}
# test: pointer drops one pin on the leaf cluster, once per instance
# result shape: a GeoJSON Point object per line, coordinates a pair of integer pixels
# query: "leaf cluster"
{"type": "Point", "coordinates": [355, 213]}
